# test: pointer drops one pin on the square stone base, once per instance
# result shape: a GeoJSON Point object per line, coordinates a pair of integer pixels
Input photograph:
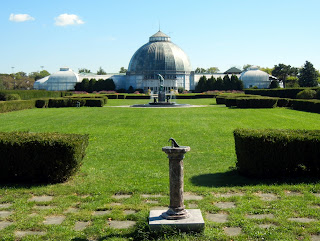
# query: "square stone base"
{"type": "Point", "coordinates": [194, 223]}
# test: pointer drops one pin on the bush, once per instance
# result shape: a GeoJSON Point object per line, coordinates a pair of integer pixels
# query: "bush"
{"type": "Point", "coordinates": [306, 94]}
{"type": "Point", "coordinates": [6, 106]}
{"type": "Point", "coordinates": [274, 84]}
{"type": "Point", "coordinates": [318, 94]}
{"type": "Point", "coordinates": [283, 102]}
{"type": "Point", "coordinates": [43, 157]}
{"type": "Point", "coordinates": [94, 102]}
{"type": "Point", "coordinates": [42, 103]}
{"type": "Point", "coordinates": [277, 153]}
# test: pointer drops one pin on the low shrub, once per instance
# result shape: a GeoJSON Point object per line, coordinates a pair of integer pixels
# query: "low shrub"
{"type": "Point", "coordinates": [65, 102]}
{"type": "Point", "coordinates": [306, 94]}
{"type": "Point", "coordinates": [14, 105]}
{"type": "Point", "coordinates": [290, 93]}
{"type": "Point", "coordinates": [13, 97]}
{"type": "Point", "coordinates": [95, 102]}
{"type": "Point", "coordinates": [102, 97]}
{"type": "Point", "coordinates": [277, 153]}
{"type": "Point", "coordinates": [41, 157]}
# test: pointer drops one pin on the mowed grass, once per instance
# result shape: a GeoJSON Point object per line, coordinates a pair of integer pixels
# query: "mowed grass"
{"type": "Point", "coordinates": [125, 156]}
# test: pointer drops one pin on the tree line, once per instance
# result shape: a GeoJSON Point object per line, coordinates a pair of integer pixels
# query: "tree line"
{"type": "Point", "coordinates": [95, 85]}
{"type": "Point", "coordinates": [225, 83]}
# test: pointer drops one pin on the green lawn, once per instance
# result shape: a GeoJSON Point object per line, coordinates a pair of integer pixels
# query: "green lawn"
{"type": "Point", "coordinates": [124, 156]}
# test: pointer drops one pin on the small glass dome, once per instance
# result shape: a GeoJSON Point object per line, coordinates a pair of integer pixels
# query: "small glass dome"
{"type": "Point", "coordinates": [254, 77]}
{"type": "Point", "coordinates": [65, 79]}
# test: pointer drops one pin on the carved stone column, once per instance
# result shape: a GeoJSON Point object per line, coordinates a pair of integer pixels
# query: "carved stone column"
{"type": "Point", "coordinates": [176, 209]}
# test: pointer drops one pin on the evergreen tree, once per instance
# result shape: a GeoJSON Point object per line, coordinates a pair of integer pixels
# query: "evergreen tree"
{"type": "Point", "coordinates": [91, 86]}
{"type": "Point", "coordinates": [85, 84]}
{"type": "Point", "coordinates": [219, 84]}
{"type": "Point", "coordinates": [211, 83]}
{"type": "Point", "coordinates": [227, 83]}
{"type": "Point", "coordinates": [308, 76]}
{"type": "Point", "coordinates": [202, 84]}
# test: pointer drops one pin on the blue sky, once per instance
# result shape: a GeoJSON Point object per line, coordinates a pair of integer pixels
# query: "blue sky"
{"type": "Point", "coordinates": [90, 34]}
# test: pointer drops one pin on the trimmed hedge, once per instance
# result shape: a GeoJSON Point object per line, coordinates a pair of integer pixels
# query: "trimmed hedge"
{"type": "Point", "coordinates": [290, 93]}
{"type": "Point", "coordinates": [250, 102]}
{"type": "Point", "coordinates": [41, 157]}
{"type": "Point", "coordinates": [14, 105]}
{"type": "Point", "coordinates": [277, 153]}
{"type": "Point", "coordinates": [306, 105]}
{"type": "Point", "coordinates": [72, 102]}
{"type": "Point", "coordinates": [34, 94]}
{"type": "Point", "coordinates": [102, 97]}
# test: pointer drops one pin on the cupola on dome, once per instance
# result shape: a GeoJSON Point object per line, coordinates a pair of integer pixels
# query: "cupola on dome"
{"type": "Point", "coordinates": [159, 55]}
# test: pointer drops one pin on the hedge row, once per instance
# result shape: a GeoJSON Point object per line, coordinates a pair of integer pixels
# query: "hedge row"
{"type": "Point", "coordinates": [277, 153]}
{"type": "Point", "coordinates": [70, 102]}
{"type": "Point", "coordinates": [103, 97]}
{"type": "Point", "coordinates": [221, 99]}
{"type": "Point", "coordinates": [14, 105]}
{"type": "Point", "coordinates": [306, 105]}
{"type": "Point", "coordinates": [33, 94]}
{"type": "Point", "coordinates": [41, 157]}
{"type": "Point", "coordinates": [281, 93]}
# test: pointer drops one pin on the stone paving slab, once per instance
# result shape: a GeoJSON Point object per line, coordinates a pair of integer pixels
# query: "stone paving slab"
{"type": "Point", "coordinates": [5, 205]}
{"type": "Point", "coordinates": [228, 194]}
{"type": "Point", "coordinates": [121, 224]}
{"type": "Point", "coordinates": [225, 205]}
{"type": "Point", "coordinates": [290, 193]}
{"type": "Point", "coordinates": [115, 204]}
{"type": "Point", "coordinates": [266, 226]}
{"type": "Point", "coordinates": [3, 225]}
{"type": "Point", "coordinates": [267, 196]}
{"type": "Point", "coordinates": [102, 212]}
{"type": "Point", "coordinates": [151, 195]}
{"type": "Point", "coordinates": [121, 196]}
{"type": "Point", "coordinates": [302, 220]}
{"type": "Point", "coordinates": [192, 205]}
{"type": "Point", "coordinates": [232, 231]}
{"type": "Point", "coordinates": [79, 226]}
{"type": "Point", "coordinates": [315, 237]}
{"type": "Point", "coordinates": [316, 194]}
{"type": "Point", "coordinates": [152, 201]}
{"type": "Point", "coordinates": [217, 217]}
{"type": "Point", "coordinates": [21, 234]}
{"type": "Point", "coordinates": [44, 207]}
{"type": "Point", "coordinates": [71, 210]}
{"type": "Point", "coordinates": [33, 215]}
{"type": "Point", "coordinates": [260, 216]}
{"type": "Point", "coordinates": [128, 212]}
{"type": "Point", "coordinates": [41, 199]}
{"type": "Point", "coordinates": [191, 196]}
{"type": "Point", "coordinates": [54, 220]}
{"type": "Point", "coordinates": [4, 214]}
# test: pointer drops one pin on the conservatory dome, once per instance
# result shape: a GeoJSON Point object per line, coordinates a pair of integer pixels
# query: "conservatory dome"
{"type": "Point", "coordinates": [65, 79]}
{"type": "Point", "coordinates": [159, 55]}
{"type": "Point", "coordinates": [254, 77]}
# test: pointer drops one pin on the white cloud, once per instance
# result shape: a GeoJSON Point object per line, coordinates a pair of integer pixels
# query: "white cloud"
{"type": "Point", "coordinates": [20, 17]}
{"type": "Point", "coordinates": [68, 19]}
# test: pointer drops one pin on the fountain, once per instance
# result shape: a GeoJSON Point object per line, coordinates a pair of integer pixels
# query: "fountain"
{"type": "Point", "coordinates": [162, 99]}
{"type": "Point", "coordinates": [176, 216]}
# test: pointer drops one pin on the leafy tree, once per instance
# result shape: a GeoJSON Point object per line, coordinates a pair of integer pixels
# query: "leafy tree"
{"type": "Point", "coordinates": [282, 71]}
{"type": "Point", "coordinates": [267, 70]}
{"type": "Point", "coordinates": [308, 76]}
{"type": "Point", "coordinates": [39, 75]}
{"type": "Point", "coordinates": [292, 82]}
{"type": "Point", "coordinates": [84, 70]}
{"type": "Point", "coordinates": [200, 70]}
{"type": "Point", "coordinates": [246, 66]}
{"type": "Point", "coordinates": [101, 71]}
{"type": "Point", "coordinates": [212, 70]}
{"type": "Point", "coordinates": [123, 70]}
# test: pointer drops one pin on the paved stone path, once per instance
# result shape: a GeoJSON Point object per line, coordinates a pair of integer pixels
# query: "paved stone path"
{"type": "Point", "coordinates": [266, 226]}
{"type": "Point", "coordinates": [218, 217]}
{"type": "Point", "coordinates": [267, 196]}
{"type": "Point", "coordinates": [79, 226]}
{"type": "Point", "coordinates": [129, 212]}
{"type": "Point", "coordinates": [260, 216]}
{"type": "Point", "coordinates": [228, 195]}
{"type": "Point", "coordinates": [302, 220]}
{"type": "Point", "coordinates": [151, 195]}
{"type": "Point", "coordinates": [232, 231]}
{"type": "Point", "coordinates": [71, 210]}
{"type": "Point", "coordinates": [191, 196]}
{"type": "Point", "coordinates": [225, 205]}
{"type": "Point", "coordinates": [5, 205]}
{"type": "Point", "coordinates": [121, 224]}
{"type": "Point", "coordinates": [100, 213]}
{"type": "Point", "coordinates": [121, 196]}
{"type": "Point", "coordinates": [5, 214]}
{"type": "Point", "coordinates": [43, 207]}
{"type": "Point", "coordinates": [315, 237]}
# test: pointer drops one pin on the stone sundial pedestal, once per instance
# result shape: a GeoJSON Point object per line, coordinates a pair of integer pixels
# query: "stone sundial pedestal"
{"type": "Point", "coordinates": [176, 216]}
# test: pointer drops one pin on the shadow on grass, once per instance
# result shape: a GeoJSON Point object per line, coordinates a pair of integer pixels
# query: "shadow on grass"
{"type": "Point", "coordinates": [21, 184]}
{"type": "Point", "coordinates": [234, 179]}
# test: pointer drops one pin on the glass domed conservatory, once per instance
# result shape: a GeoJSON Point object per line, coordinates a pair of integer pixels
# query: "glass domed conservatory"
{"type": "Point", "coordinates": [255, 77]}
{"type": "Point", "coordinates": [159, 56]}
